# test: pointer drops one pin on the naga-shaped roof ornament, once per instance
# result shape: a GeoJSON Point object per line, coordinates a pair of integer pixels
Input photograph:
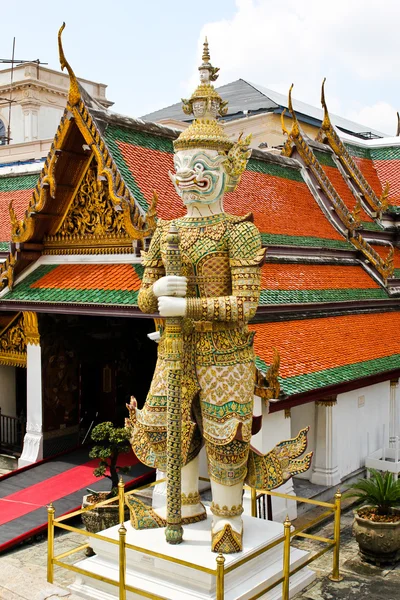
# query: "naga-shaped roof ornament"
{"type": "Point", "coordinates": [74, 94]}
{"type": "Point", "coordinates": [205, 104]}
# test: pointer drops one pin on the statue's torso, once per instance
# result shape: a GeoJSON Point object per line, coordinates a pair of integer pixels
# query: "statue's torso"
{"type": "Point", "coordinates": [204, 245]}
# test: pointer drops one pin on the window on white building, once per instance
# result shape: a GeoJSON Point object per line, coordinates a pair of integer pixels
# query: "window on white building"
{"type": "Point", "coordinates": [2, 133]}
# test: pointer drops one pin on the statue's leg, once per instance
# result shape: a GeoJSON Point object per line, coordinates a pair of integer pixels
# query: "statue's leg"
{"type": "Point", "coordinates": [226, 400]}
{"type": "Point", "coordinates": [227, 469]}
{"type": "Point", "coordinates": [192, 508]}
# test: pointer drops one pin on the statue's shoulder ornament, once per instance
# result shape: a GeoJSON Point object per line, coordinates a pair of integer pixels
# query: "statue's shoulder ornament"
{"type": "Point", "coordinates": [234, 219]}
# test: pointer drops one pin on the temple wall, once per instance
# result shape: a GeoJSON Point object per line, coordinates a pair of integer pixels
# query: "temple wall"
{"type": "Point", "coordinates": [48, 121]}
{"type": "Point", "coordinates": [265, 127]}
{"type": "Point", "coordinates": [361, 414]}
{"type": "Point", "coordinates": [7, 391]}
{"type": "Point", "coordinates": [342, 435]}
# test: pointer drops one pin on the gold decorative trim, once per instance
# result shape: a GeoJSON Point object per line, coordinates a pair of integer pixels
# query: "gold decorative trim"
{"type": "Point", "coordinates": [227, 540]}
{"type": "Point", "coordinates": [13, 343]}
{"type": "Point", "coordinates": [351, 220]}
{"type": "Point", "coordinates": [190, 499]}
{"type": "Point", "coordinates": [31, 328]}
{"type": "Point", "coordinates": [224, 511]}
{"type": "Point", "coordinates": [326, 402]}
{"type": "Point", "coordinates": [328, 134]}
{"type": "Point", "coordinates": [74, 93]}
{"type": "Point", "coordinates": [288, 413]}
{"type": "Point", "coordinates": [92, 223]}
{"type": "Point", "coordinates": [267, 386]}
{"type": "Point", "coordinates": [7, 272]}
{"type": "Point", "coordinates": [384, 266]}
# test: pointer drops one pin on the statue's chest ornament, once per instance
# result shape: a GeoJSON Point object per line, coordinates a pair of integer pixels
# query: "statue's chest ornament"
{"type": "Point", "coordinates": [190, 235]}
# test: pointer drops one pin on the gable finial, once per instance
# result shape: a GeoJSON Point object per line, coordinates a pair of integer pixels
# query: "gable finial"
{"type": "Point", "coordinates": [74, 95]}
{"type": "Point", "coordinates": [326, 122]}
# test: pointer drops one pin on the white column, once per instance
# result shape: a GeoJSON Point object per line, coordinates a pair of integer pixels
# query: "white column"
{"type": "Point", "coordinates": [325, 461]}
{"type": "Point", "coordinates": [33, 441]}
{"type": "Point", "coordinates": [393, 412]}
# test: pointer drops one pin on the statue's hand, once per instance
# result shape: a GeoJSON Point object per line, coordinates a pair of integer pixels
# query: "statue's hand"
{"type": "Point", "coordinates": [171, 307]}
{"type": "Point", "coordinates": [170, 285]}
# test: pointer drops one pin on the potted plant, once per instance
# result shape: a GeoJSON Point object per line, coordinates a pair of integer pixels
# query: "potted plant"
{"type": "Point", "coordinates": [377, 522]}
{"type": "Point", "coordinates": [110, 442]}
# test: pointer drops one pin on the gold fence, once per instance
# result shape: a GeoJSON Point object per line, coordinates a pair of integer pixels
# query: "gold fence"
{"type": "Point", "coordinates": [220, 571]}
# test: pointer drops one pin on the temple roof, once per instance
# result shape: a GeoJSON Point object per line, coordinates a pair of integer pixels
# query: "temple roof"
{"type": "Point", "coordinates": [330, 351]}
{"type": "Point", "coordinates": [332, 264]}
{"type": "Point", "coordinates": [246, 98]}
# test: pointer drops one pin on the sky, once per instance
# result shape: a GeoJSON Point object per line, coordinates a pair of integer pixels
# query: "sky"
{"type": "Point", "coordinates": [147, 52]}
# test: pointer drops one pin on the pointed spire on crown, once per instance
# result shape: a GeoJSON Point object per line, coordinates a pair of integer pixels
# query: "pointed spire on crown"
{"type": "Point", "coordinates": [205, 104]}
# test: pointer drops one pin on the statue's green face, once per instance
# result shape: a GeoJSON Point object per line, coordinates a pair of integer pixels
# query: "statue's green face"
{"type": "Point", "coordinates": [199, 176]}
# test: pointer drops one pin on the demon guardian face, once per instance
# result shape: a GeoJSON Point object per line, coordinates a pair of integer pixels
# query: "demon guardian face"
{"type": "Point", "coordinates": [199, 176]}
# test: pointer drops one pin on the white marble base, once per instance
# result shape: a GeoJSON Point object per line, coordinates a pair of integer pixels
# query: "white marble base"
{"type": "Point", "coordinates": [32, 450]}
{"type": "Point", "coordinates": [176, 582]}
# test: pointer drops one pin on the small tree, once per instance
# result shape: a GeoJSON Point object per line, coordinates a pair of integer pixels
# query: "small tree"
{"type": "Point", "coordinates": [110, 443]}
{"type": "Point", "coordinates": [380, 491]}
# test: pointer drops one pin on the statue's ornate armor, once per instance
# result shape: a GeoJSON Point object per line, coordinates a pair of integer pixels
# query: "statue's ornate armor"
{"type": "Point", "coordinates": [221, 258]}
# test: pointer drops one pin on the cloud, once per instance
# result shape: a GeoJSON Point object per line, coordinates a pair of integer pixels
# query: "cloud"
{"type": "Point", "coordinates": [380, 116]}
{"type": "Point", "coordinates": [352, 43]}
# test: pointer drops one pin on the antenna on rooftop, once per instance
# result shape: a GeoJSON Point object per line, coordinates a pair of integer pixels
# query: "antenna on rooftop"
{"type": "Point", "coordinates": [13, 61]}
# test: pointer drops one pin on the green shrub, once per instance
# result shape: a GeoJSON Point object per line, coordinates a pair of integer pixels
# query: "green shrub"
{"type": "Point", "coordinates": [380, 491]}
{"type": "Point", "coordinates": [110, 442]}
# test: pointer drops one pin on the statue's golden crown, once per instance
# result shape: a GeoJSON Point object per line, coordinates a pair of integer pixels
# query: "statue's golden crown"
{"type": "Point", "coordinates": [205, 104]}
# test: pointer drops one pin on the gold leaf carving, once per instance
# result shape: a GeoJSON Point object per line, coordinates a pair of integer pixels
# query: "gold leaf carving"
{"type": "Point", "coordinates": [92, 211]}
{"type": "Point", "coordinates": [13, 344]}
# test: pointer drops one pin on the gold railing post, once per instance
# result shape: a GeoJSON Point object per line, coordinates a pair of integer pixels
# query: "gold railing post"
{"type": "Point", "coordinates": [121, 500]}
{"type": "Point", "coordinates": [122, 561]}
{"type": "Point", "coordinates": [220, 577]}
{"type": "Point", "coordinates": [286, 559]}
{"type": "Point", "coordinates": [335, 575]}
{"type": "Point", "coordinates": [253, 502]}
{"type": "Point", "coordinates": [50, 542]}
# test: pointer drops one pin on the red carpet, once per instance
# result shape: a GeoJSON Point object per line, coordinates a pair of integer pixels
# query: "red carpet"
{"type": "Point", "coordinates": [41, 494]}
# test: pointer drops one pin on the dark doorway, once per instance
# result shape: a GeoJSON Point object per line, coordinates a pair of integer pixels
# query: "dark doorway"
{"type": "Point", "coordinates": [91, 367]}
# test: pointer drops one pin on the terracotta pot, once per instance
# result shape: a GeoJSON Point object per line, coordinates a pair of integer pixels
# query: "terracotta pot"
{"type": "Point", "coordinates": [378, 542]}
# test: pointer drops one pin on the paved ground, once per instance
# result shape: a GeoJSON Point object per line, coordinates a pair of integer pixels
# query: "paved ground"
{"type": "Point", "coordinates": [361, 580]}
{"type": "Point", "coordinates": [23, 571]}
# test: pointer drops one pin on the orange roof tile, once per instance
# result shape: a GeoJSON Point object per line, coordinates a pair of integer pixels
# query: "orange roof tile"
{"type": "Point", "coordinates": [20, 204]}
{"type": "Point", "coordinates": [383, 251]}
{"type": "Point", "coordinates": [280, 206]}
{"type": "Point", "coordinates": [91, 276]}
{"type": "Point", "coordinates": [367, 168]}
{"type": "Point", "coordinates": [275, 276]}
{"type": "Point", "coordinates": [389, 171]}
{"type": "Point", "coordinates": [270, 198]}
{"type": "Point", "coordinates": [343, 190]}
{"type": "Point", "coordinates": [311, 345]}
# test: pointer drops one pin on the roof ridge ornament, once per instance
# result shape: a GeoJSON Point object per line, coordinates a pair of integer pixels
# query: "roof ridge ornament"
{"type": "Point", "coordinates": [326, 122]}
{"type": "Point", "coordinates": [74, 94]}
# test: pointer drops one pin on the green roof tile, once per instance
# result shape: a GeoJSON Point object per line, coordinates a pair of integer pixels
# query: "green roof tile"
{"type": "Point", "coordinates": [303, 296]}
{"type": "Point", "coordinates": [22, 182]}
{"type": "Point", "coordinates": [276, 239]}
{"type": "Point", "coordinates": [325, 158]}
{"type": "Point", "coordinates": [319, 379]}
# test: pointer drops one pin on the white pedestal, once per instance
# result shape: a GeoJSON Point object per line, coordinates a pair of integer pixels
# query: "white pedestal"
{"type": "Point", "coordinates": [177, 582]}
